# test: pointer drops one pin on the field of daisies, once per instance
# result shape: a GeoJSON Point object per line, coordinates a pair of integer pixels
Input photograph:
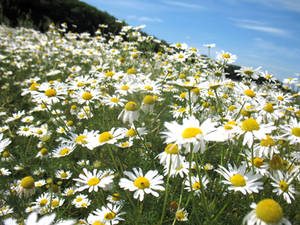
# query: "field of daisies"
{"type": "Point", "coordinates": [94, 131]}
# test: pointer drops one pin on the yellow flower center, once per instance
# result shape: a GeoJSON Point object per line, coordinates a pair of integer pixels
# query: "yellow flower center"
{"type": "Point", "coordinates": [131, 106]}
{"type": "Point", "coordinates": [70, 123]}
{"type": "Point", "coordinates": [115, 100]}
{"type": "Point", "coordinates": [81, 139]}
{"type": "Point", "coordinates": [64, 151]}
{"type": "Point", "coordinates": [196, 91]}
{"type": "Point", "coordinates": [238, 180]}
{"type": "Point", "coordinates": [226, 56]}
{"type": "Point", "coordinates": [109, 216]}
{"type": "Point", "coordinates": [258, 162]}
{"type": "Point", "coordinates": [231, 108]}
{"type": "Point", "coordinates": [191, 132]}
{"type": "Point", "coordinates": [131, 71]}
{"type": "Point", "coordinates": [5, 154]}
{"type": "Point", "coordinates": [249, 72]}
{"type": "Point", "coordinates": [180, 215]}
{"type": "Point", "coordinates": [93, 181]}
{"type": "Point", "coordinates": [283, 186]}
{"type": "Point", "coordinates": [109, 74]}
{"type": "Point", "coordinates": [269, 211]}
{"type": "Point", "coordinates": [269, 142]}
{"type": "Point", "coordinates": [149, 100]}
{"type": "Point", "coordinates": [142, 183]}
{"type": "Point", "coordinates": [131, 133]}
{"type": "Point", "coordinates": [115, 197]}
{"type": "Point", "coordinates": [125, 144]}
{"type": "Point", "coordinates": [50, 93]}
{"type": "Point", "coordinates": [79, 199]}
{"type": "Point", "coordinates": [269, 108]}
{"type": "Point", "coordinates": [171, 149]}
{"type": "Point", "coordinates": [87, 96]}
{"type": "Point", "coordinates": [43, 202]}
{"type": "Point", "coordinates": [125, 87]}
{"type": "Point", "coordinates": [34, 87]}
{"type": "Point", "coordinates": [196, 185]}
{"type": "Point", "coordinates": [250, 125]}
{"type": "Point", "coordinates": [148, 88]}
{"type": "Point", "coordinates": [44, 151]}
{"type": "Point", "coordinates": [296, 131]}
{"type": "Point", "coordinates": [105, 136]}
{"type": "Point", "coordinates": [54, 203]}
{"type": "Point", "coordinates": [280, 98]}
{"type": "Point", "coordinates": [181, 109]}
{"type": "Point", "coordinates": [182, 95]}
{"type": "Point", "coordinates": [27, 182]}
{"type": "Point", "coordinates": [98, 223]}
{"type": "Point", "coordinates": [249, 93]}
{"type": "Point", "coordinates": [276, 162]}
{"type": "Point", "coordinates": [64, 175]}
{"type": "Point", "coordinates": [229, 125]}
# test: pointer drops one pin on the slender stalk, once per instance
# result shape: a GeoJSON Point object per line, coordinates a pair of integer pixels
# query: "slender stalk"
{"type": "Point", "coordinates": [166, 193]}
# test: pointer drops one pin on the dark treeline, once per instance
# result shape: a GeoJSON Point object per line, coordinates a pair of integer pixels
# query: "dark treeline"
{"type": "Point", "coordinates": [38, 14]}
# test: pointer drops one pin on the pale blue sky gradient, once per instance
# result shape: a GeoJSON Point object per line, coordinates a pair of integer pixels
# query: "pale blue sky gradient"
{"type": "Point", "coordinates": [260, 32]}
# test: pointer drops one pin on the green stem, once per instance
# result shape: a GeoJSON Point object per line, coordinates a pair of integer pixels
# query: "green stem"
{"type": "Point", "coordinates": [166, 193]}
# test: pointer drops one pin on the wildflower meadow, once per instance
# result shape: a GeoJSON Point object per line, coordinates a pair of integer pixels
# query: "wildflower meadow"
{"type": "Point", "coordinates": [96, 131]}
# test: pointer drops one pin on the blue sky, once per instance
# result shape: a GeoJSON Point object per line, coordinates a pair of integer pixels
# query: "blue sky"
{"type": "Point", "coordinates": [260, 32]}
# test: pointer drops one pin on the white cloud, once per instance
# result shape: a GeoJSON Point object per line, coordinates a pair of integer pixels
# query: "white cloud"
{"type": "Point", "coordinates": [267, 29]}
{"type": "Point", "coordinates": [145, 19]}
{"type": "Point", "coordinates": [150, 19]}
{"type": "Point", "coordinates": [184, 4]}
{"type": "Point", "coordinates": [259, 26]}
{"type": "Point", "coordinates": [290, 5]}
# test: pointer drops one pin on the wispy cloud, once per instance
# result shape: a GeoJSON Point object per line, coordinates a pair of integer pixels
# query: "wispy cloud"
{"type": "Point", "coordinates": [184, 4]}
{"type": "Point", "coordinates": [271, 30]}
{"type": "Point", "coordinates": [259, 26]}
{"type": "Point", "coordinates": [290, 5]}
{"type": "Point", "coordinates": [145, 19]}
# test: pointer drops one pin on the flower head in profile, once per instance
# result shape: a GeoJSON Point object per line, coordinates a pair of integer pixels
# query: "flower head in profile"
{"type": "Point", "coordinates": [141, 184]}
{"type": "Point", "coordinates": [130, 112]}
{"type": "Point", "coordinates": [266, 212]}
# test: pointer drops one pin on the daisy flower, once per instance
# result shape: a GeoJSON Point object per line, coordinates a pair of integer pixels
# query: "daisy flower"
{"type": "Point", "coordinates": [170, 154]}
{"type": "Point", "coordinates": [240, 180]}
{"type": "Point", "coordinates": [181, 215]}
{"type": "Point", "coordinates": [4, 172]}
{"type": "Point", "coordinates": [64, 175]}
{"type": "Point", "coordinates": [5, 210]}
{"type": "Point", "coordinates": [282, 184]}
{"type": "Point", "coordinates": [26, 187]}
{"type": "Point", "coordinates": [266, 212]}
{"type": "Point", "coordinates": [253, 129]}
{"type": "Point", "coordinates": [93, 180]}
{"type": "Point", "coordinates": [191, 132]}
{"type": "Point", "coordinates": [63, 150]}
{"type": "Point", "coordinates": [140, 184]}
{"type": "Point", "coordinates": [148, 103]}
{"type": "Point", "coordinates": [129, 113]}
{"type": "Point", "coordinates": [4, 142]}
{"type": "Point", "coordinates": [195, 185]}
{"type": "Point", "coordinates": [109, 214]}
{"type": "Point", "coordinates": [113, 101]}
{"type": "Point", "coordinates": [226, 57]}
{"type": "Point", "coordinates": [292, 131]}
